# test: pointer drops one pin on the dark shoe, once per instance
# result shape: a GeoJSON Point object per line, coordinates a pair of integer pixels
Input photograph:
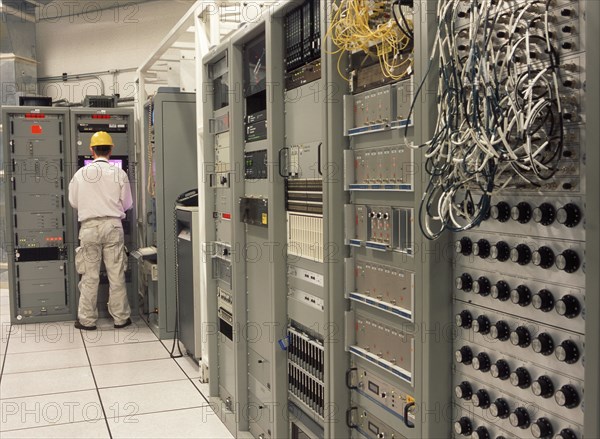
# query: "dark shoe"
{"type": "Point", "coordinates": [85, 328]}
{"type": "Point", "coordinates": [124, 325]}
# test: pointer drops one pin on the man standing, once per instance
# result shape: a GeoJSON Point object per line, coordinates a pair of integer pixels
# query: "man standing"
{"type": "Point", "coordinates": [101, 194]}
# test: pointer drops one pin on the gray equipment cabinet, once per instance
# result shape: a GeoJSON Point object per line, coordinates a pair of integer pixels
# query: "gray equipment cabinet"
{"type": "Point", "coordinates": [188, 280]}
{"type": "Point", "coordinates": [40, 241]}
{"type": "Point", "coordinates": [170, 124]}
{"type": "Point", "coordinates": [119, 123]}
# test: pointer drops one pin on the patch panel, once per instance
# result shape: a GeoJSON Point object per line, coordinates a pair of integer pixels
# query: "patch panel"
{"type": "Point", "coordinates": [539, 301]}
{"type": "Point", "coordinates": [537, 343]}
{"type": "Point", "coordinates": [379, 168]}
{"type": "Point", "coordinates": [530, 257]}
{"type": "Point", "coordinates": [380, 228]}
{"type": "Point", "coordinates": [389, 347]}
{"type": "Point", "coordinates": [379, 109]}
{"type": "Point", "coordinates": [467, 423]}
{"type": "Point", "coordinates": [381, 286]}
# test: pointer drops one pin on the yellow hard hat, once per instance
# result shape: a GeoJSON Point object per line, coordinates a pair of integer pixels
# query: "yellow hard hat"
{"type": "Point", "coordinates": [101, 138]}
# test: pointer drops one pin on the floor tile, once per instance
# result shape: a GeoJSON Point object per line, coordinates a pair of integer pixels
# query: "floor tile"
{"type": "Point", "coordinates": [142, 399]}
{"type": "Point", "coordinates": [199, 423]}
{"type": "Point", "coordinates": [44, 382]}
{"type": "Point", "coordinates": [132, 334]}
{"type": "Point", "coordinates": [123, 353]}
{"type": "Point", "coordinates": [189, 366]}
{"type": "Point", "coordinates": [41, 411]}
{"type": "Point", "coordinates": [91, 430]}
{"type": "Point", "coordinates": [47, 360]}
{"type": "Point", "coordinates": [44, 337]}
{"type": "Point", "coordinates": [121, 374]}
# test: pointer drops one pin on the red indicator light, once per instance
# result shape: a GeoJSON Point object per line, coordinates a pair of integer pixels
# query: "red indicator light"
{"type": "Point", "coordinates": [36, 129]}
{"type": "Point", "coordinates": [227, 216]}
{"type": "Point", "coordinates": [101, 116]}
{"type": "Point", "coordinates": [35, 116]}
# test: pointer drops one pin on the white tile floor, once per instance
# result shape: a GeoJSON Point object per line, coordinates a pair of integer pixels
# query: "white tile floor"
{"type": "Point", "coordinates": [59, 382]}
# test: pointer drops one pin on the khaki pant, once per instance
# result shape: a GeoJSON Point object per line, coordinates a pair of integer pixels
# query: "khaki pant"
{"type": "Point", "coordinates": [102, 239]}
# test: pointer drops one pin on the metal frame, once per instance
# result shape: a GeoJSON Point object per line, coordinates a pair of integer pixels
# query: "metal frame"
{"type": "Point", "coordinates": [592, 343]}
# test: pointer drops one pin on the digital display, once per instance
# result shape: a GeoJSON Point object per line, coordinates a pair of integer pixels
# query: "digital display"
{"type": "Point", "coordinates": [373, 387]}
{"type": "Point", "coordinates": [116, 162]}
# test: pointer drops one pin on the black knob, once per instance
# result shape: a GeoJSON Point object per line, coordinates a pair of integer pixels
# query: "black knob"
{"type": "Point", "coordinates": [500, 291]}
{"type": "Point", "coordinates": [543, 344]}
{"type": "Point", "coordinates": [568, 306]}
{"type": "Point", "coordinates": [543, 257]}
{"type": "Point", "coordinates": [521, 254]}
{"type": "Point", "coordinates": [464, 282]}
{"type": "Point", "coordinates": [463, 426]}
{"type": "Point", "coordinates": [567, 351]}
{"type": "Point", "coordinates": [567, 397]}
{"type": "Point", "coordinates": [481, 399]}
{"type": "Point", "coordinates": [568, 261]}
{"type": "Point", "coordinates": [567, 12]}
{"type": "Point", "coordinates": [567, 29]}
{"type": "Point", "coordinates": [500, 409]}
{"type": "Point", "coordinates": [542, 428]}
{"type": "Point", "coordinates": [500, 212]}
{"type": "Point", "coordinates": [482, 362]}
{"type": "Point", "coordinates": [500, 251]}
{"type": "Point", "coordinates": [500, 331]}
{"type": "Point", "coordinates": [520, 418]}
{"type": "Point", "coordinates": [481, 325]}
{"type": "Point", "coordinates": [567, 45]}
{"type": "Point", "coordinates": [521, 212]}
{"type": "Point", "coordinates": [521, 295]}
{"type": "Point", "coordinates": [543, 300]}
{"type": "Point", "coordinates": [464, 246]}
{"type": "Point", "coordinates": [520, 337]}
{"type": "Point", "coordinates": [464, 319]}
{"type": "Point", "coordinates": [482, 248]}
{"type": "Point", "coordinates": [543, 387]}
{"type": "Point", "coordinates": [500, 369]}
{"type": "Point", "coordinates": [569, 215]}
{"type": "Point", "coordinates": [464, 355]}
{"type": "Point", "coordinates": [544, 214]}
{"type": "Point", "coordinates": [482, 286]}
{"type": "Point", "coordinates": [520, 378]}
{"type": "Point", "coordinates": [480, 433]}
{"type": "Point", "coordinates": [463, 390]}
{"type": "Point", "coordinates": [566, 433]}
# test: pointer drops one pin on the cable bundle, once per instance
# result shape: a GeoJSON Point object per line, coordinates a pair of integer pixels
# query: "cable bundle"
{"type": "Point", "coordinates": [500, 121]}
{"type": "Point", "coordinates": [369, 26]}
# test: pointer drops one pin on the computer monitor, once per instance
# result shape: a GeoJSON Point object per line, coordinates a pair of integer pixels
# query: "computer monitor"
{"type": "Point", "coordinates": [118, 161]}
{"type": "Point", "coordinates": [113, 162]}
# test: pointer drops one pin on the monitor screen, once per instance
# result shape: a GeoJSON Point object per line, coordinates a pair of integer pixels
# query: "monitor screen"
{"type": "Point", "coordinates": [113, 162]}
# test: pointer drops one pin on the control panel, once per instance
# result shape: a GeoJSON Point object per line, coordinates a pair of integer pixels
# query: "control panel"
{"type": "Point", "coordinates": [519, 232]}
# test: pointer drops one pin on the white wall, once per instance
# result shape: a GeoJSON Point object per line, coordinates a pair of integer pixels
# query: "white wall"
{"type": "Point", "coordinates": [96, 40]}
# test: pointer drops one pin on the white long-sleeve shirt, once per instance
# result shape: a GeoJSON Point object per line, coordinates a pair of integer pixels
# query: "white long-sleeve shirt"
{"type": "Point", "coordinates": [100, 190]}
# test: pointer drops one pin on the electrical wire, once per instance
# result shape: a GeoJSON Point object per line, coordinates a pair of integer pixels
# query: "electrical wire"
{"type": "Point", "coordinates": [373, 28]}
{"type": "Point", "coordinates": [500, 120]}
